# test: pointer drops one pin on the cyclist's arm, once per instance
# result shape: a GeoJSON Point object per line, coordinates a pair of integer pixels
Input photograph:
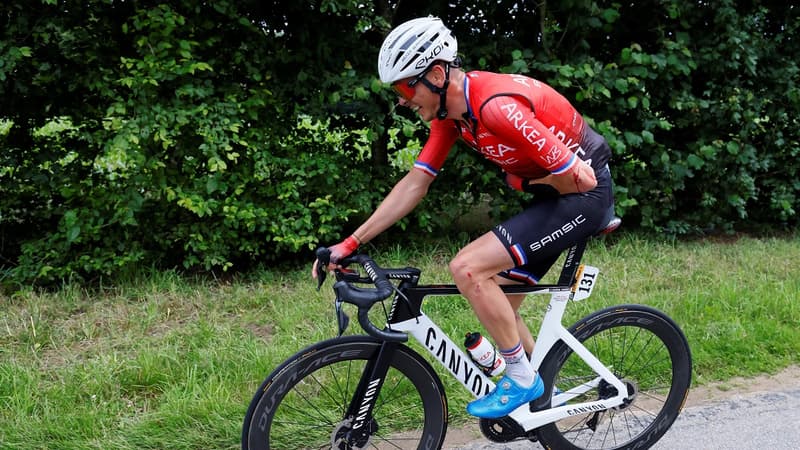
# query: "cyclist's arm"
{"type": "Point", "coordinates": [412, 188]}
{"type": "Point", "coordinates": [516, 122]}
{"type": "Point", "coordinates": [403, 198]}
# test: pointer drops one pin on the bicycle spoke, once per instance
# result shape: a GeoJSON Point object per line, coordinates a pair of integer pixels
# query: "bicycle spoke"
{"type": "Point", "coordinates": [628, 343]}
{"type": "Point", "coordinates": [638, 418]}
{"type": "Point", "coordinates": [392, 442]}
{"type": "Point", "coordinates": [657, 397]}
{"type": "Point", "coordinates": [609, 429]}
{"type": "Point", "coordinates": [305, 415]}
{"type": "Point", "coordinates": [346, 391]}
{"type": "Point", "coordinates": [642, 349]}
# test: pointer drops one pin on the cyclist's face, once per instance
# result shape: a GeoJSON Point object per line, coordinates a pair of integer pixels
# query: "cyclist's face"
{"type": "Point", "coordinates": [422, 101]}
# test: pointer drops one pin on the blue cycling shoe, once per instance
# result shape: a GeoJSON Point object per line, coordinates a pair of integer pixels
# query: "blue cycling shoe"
{"type": "Point", "coordinates": [506, 397]}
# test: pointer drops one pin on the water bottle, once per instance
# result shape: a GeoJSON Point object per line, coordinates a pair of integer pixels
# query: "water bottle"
{"type": "Point", "coordinates": [484, 354]}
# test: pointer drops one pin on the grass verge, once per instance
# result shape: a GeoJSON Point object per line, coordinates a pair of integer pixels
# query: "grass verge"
{"type": "Point", "coordinates": [168, 362]}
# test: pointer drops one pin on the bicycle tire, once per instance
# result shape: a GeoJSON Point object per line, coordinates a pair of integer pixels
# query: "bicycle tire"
{"type": "Point", "coordinates": [648, 352]}
{"type": "Point", "coordinates": [303, 402]}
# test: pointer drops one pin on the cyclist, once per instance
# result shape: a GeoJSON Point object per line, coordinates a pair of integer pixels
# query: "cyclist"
{"type": "Point", "coordinates": [544, 147]}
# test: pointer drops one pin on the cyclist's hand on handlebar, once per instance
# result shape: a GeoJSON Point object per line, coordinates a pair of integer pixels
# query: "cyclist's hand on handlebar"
{"type": "Point", "coordinates": [343, 249]}
{"type": "Point", "coordinates": [338, 252]}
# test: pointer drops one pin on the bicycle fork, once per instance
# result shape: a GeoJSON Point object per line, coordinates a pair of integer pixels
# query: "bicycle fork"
{"type": "Point", "coordinates": [358, 421]}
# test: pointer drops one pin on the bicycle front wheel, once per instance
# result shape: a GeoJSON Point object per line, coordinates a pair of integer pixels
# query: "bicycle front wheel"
{"type": "Point", "coordinates": [647, 351]}
{"type": "Point", "coordinates": [303, 404]}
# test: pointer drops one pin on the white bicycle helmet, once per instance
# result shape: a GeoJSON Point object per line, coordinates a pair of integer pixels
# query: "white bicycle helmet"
{"type": "Point", "coordinates": [411, 47]}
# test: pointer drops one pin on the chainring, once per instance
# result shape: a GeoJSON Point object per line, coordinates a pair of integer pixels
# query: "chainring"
{"type": "Point", "coordinates": [503, 429]}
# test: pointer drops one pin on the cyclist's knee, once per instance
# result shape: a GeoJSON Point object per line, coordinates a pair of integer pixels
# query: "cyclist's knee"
{"type": "Point", "coordinates": [477, 263]}
{"type": "Point", "coordinates": [459, 268]}
{"type": "Point", "coordinates": [464, 271]}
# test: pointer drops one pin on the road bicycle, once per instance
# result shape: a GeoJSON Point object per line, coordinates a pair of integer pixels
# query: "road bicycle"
{"type": "Point", "coordinates": [616, 379]}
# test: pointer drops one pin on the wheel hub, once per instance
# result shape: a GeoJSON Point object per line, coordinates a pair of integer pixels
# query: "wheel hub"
{"type": "Point", "coordinates": [633, 392]}
{"type": "Point", "coordinates": [606, 390]}
{"type": "Point", "coordinates": [345, 438]}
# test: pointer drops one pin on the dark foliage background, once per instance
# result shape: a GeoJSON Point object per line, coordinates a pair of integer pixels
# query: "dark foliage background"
{"type": "Point", "coordinates": [215, 135]}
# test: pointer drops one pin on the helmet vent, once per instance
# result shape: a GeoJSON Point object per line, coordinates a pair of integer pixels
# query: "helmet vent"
{"type": "Point", "coordinates": [412, 46]}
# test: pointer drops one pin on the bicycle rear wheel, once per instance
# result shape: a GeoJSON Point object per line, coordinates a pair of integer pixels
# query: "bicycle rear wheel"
{"type": "Point", "coordinates": [303, 403]}
{"type": "Point", "coordinates": [647, 351]}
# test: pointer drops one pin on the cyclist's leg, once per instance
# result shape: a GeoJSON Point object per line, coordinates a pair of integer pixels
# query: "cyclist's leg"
{"type": "Point", "coordinates": [530, 274]}
{"type": "Point", "coordinates": [536, 236]}
{"type": "Point", "coordinates": [522, 328]}
{"type": "Point", "coordinates": [515, 300]}
{"type": "Point", "coordinates": [473, 270]}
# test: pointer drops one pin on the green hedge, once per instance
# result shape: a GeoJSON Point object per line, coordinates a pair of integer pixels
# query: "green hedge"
{"type": "Point", "coordinates": [213, 136]}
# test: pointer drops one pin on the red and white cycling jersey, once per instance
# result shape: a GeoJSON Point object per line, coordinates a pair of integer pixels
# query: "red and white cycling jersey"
{"type": "Point", "coordinates": [519, 123]}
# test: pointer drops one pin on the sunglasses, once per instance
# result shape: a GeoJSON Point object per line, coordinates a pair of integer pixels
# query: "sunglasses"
{"type": "Point", "coordinates": [407, 89]}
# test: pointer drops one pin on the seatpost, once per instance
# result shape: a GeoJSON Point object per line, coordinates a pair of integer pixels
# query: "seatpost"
{"type": "Point", "coordinates": [571, 263]}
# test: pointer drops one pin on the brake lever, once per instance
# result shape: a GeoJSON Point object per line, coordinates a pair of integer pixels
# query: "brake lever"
{"type": "Point", "coordinates": [323, 259]}
{"type": "Point", "coordinates": [342, 319]}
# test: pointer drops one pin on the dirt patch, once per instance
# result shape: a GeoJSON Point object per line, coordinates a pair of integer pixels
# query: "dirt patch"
{"type": "Point", "coordinates": [263, 331]}
{"type": "Point", "coordinates": [787, 379]}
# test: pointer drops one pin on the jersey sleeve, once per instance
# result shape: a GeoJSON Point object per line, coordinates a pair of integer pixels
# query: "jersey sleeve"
{"type": "Point", "coordinates": [513, 119]}
{"type": "Point", "coordinates": [441, 139]}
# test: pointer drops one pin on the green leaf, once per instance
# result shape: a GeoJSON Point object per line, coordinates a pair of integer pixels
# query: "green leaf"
{"type": "Point", "coordinates": [695, 161]}
{"type": "Point", "coordinates": [211, 185]}
{"type": "Point", "coordinates": [610, 15]}
{"type": "Point", "coordinates": [73, 233]}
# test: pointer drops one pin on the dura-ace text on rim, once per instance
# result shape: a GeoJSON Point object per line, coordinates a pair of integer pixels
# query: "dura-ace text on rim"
{"type": "Point", "coordinates": [304, 403]}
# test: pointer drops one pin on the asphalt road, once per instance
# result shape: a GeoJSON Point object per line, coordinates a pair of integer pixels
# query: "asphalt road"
{"type": "Point", "coordinates": [756, 420]}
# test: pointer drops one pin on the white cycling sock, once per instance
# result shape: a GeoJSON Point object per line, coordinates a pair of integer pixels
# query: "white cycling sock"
{"type": "Point", "coordinates": [518, 367]}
